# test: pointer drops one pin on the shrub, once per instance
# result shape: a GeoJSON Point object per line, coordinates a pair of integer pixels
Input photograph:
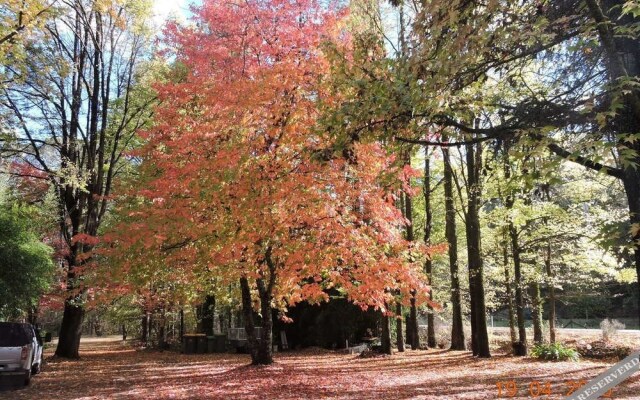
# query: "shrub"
{"type": "Point", "coordinates": [554, 351]}
{"type": "Point", "coordinates": [610, 328]}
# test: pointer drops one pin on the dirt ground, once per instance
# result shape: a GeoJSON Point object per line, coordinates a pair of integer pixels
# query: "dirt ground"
{"type": "Point", "coordinates": [111, 369]}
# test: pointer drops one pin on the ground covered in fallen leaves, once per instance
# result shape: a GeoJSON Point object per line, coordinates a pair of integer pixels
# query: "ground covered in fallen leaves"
{"type": "Point", "coordinates": [110, 369]}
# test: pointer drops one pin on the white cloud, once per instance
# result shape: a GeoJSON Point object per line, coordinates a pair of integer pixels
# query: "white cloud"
{"type": "Point", "coordinates": [165, 9]}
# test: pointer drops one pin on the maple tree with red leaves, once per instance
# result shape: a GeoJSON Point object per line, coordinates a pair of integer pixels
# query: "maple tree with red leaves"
{"type": "Point", "coordinates": [240, 183]}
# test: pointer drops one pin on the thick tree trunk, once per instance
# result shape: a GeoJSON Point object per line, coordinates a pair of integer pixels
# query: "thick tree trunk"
{"type": "Point", "coordinates": [70, 331]}
{"type": "Point", "coordinates": [265, 347]}
{"type": "Point", "coordinates": [265, 285]}
{"type": "Point", "coordinates": [480, 340]}
{"type": "Point", "coordinates": [249, 324]}
{"type": "Point", "coordinates": [399, 337]}
{"type": "Point", "coordinates": [73, 316]}
{"type": "Point", "coordinates": [457, 332]}
{"type": "Point", "coordinates": [632, 189]}
{"type": "Point", "coordinates": [428, 266]}
{"type": "Point", "coordinates": [206, 313]}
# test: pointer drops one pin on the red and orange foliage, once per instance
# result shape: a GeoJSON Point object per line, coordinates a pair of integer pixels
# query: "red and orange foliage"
{"type": "Point", "coordinates": [239, 180]}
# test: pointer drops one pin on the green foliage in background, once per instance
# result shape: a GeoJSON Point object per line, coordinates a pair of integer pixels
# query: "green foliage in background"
{"type": "Point", "coordinates": [26, 265]}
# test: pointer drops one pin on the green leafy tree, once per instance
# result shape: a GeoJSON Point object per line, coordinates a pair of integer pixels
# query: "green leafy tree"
{"type": "Point", "coordinates": [26, 264]}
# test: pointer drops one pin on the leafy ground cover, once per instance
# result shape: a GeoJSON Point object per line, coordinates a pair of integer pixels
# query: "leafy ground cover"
{"type": "Point", "coordinates": [110, 369]}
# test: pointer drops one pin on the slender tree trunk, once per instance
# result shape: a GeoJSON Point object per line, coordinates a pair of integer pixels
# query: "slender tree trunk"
{"type": "Point", "coordinates": [399, 337]}
{"type": "Point", "coordinates": [144, 337]}
{"type": "Point", "coordinates": [552, 294]}
{"type": "Point", "coordinates": [536, 312]}
{"type": "Point", "coordinates": [480, 342]}
{"type": "Point", "coordinates": [385, 337]}
{"type": "Point", "coordinates": [162, 331]}
{"type": "Point", "coordinates": [408, 330]}
{"type": "Point", "coordinates": [521, 346]}
{"type": "Point", "coordinates": [413, 317]}
{"type": "Point", "coordinates": [509, 293]}
{"type": "Point", "coordinates": [550, 280]}
{"type": "Point", "coordinates": [428, 265]}
{"type": "Point", "coordinates": [457, 332]}
{"type": "Point", "coordinates": [181, 324]}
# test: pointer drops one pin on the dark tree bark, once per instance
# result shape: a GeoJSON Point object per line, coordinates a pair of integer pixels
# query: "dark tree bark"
{"type": "Point", "coordinates": [261, 350]}
{"type": "Point", "coordinates": [162, 330]}
{"type": "Point", "coordinates": [480, 342]}
{"type": "Point", "coordinates": [509, 293]}
{"type": "Point", "coordinates": [550, 279]}
{"type": "Point", "coordinates": [249, 324]}
{"type": "Point", "coordinates": [70, 333]}
{"type": "Point", "coordinates": [428, 265]}
{"type": "Point", "coordinates": [552, 294]}
{"type": "Point", "coordinates": [536, 311]}
{"type": "Point", "coordinates": [206, 313]}
{"type": "Point", "coordinates": [399, 337]}
{"type": "Point", "coordinates": [181, 324]}
{"type": "Point", "coordinates": [408, 330]}
{"type": "Point", "coordinates": [413, 328]}
{"type": "Point", "coordinates": [265, 351]}
{"type": "Point", "coordinates": [457, 332]}
{"type": "Point", "coordinates": [144, 337]}
{"type": "Point", "coordinates": [385, 336]}
{"type": "Point", "coordinates": [521, 347]}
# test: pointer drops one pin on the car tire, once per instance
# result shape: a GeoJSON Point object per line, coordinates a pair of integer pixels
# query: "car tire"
{"type": "Point", "coordinates": [35, 369]}
{"type": "Point", "coordinates": [27, 378]}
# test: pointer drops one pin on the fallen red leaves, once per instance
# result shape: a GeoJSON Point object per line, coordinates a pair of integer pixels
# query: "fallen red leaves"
{"type": "Point", "coordinates": [110, 370]}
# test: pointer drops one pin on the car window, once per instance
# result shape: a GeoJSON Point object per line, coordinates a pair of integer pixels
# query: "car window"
{"type": "Point", "coordinates": [13, 335]}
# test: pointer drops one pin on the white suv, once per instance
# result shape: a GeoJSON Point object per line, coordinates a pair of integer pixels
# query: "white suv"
{"type": "Point", "coordinates": [20, 350]}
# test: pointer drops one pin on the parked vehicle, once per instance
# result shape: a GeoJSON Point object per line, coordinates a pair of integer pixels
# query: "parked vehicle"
{"type": "Point", "coordinates": [20, 350]}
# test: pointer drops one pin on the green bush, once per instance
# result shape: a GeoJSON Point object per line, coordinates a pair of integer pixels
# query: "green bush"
{"type": "Point", "coordinates": [555, 352]}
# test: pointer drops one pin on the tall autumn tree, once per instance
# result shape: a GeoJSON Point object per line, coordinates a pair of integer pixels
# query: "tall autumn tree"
{"type": "Point", "coordinates": [241, 179]}
{"type": "Point", "coordinates": [74, 116]}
